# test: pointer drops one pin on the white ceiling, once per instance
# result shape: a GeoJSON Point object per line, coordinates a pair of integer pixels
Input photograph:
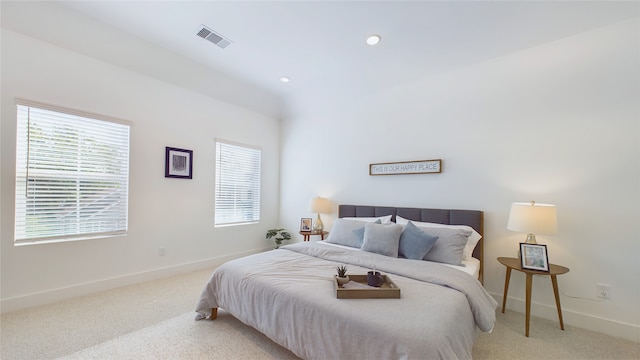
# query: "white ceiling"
{"type": "Point", "coordinates": [320, 45]}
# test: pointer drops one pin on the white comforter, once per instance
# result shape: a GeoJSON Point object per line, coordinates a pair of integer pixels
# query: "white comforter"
{"type": "Point", "coordinates": [289, 295]}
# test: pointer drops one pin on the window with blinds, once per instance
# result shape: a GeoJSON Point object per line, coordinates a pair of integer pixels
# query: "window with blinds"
{"type": "Point", "coordinates": [237, 198]}
{"type": "Point", "coordinates": [72, 174]}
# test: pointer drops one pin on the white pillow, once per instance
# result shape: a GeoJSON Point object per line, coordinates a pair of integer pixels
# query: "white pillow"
{"type": "Point", "coordinates": [472, 241]}
{"type": "Point", "coordinates": [383, 219]}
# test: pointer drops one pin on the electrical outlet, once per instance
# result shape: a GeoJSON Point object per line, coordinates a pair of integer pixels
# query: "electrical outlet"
{"type": "Point", "coordinates": [603, 291]}
{"type": "Point", "coordinates": [161, 251]}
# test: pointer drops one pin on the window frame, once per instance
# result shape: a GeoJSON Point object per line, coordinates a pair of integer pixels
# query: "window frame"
{"type": "Point", "coordinates": [98, 205]}
{"type": "Point", "coordinates": [222, 220]}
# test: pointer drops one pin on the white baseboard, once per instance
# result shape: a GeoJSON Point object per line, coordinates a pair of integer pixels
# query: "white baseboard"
{"type": "Point", "coordinates": [584, 321]}
{"type": "Point", "coordinates": [69, 292]}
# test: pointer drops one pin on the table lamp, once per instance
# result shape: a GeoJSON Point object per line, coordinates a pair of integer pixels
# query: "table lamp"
{"type": "Point", "coordinates": [532, 218]}
{"type": "Point", "coordinates": [320, 206]}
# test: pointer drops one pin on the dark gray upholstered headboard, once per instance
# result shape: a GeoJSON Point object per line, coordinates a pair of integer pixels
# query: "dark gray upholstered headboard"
{"type": "Point", "coordinates": [473, 218]}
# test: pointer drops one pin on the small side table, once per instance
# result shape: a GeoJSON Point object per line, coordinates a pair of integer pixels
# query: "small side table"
{"type": "Point", "coordinates": [554, 270]}
{"type": "Point", "coordinates": [307, 234]}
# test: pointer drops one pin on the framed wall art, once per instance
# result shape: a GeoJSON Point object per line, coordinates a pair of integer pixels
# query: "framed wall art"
{"type": "Point", "coordinates": [305, 224]}
{"type": "Point", "coordinates": [178, 163]}
{"type": "Point", "coordinates": [406, 167]}
{"type": "Point", "coordinates": [534, 257]}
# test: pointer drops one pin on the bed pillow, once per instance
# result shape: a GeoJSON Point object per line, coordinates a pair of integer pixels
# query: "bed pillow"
{"type": "Point", "coordinates": [415, 243]}
{"type": "Point", "coordinates": [360, 231]}
{"type": "Point", "coordinates": [382, 239]}
{"type": "Point", "coordinates": [342, 233]}
{"type": "Point", "coordinates": [449, 247]}
{"type": "Point", "coordinates": [383, 219]}
{"type": "Point", "coordinates": [472, 241]}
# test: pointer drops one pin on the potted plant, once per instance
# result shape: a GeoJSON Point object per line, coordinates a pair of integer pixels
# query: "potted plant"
{"type": "Point", "coordinates": [279, 235]}
{"type": "Point", "coordinates": [342, 277]}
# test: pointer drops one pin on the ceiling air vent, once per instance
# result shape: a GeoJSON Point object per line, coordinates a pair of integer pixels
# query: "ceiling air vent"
{"type": "Point", "coordinates": [210, 35]}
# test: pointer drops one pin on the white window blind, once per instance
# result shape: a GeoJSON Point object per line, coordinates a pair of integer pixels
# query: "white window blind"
{"type": "Point", "coordinates": [237, 184]}
{"type": "Point", "coordinates": [72, 175]}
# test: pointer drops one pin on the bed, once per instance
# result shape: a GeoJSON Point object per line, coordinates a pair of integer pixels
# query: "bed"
{"type": "Point", "coordinates": [289, 294]}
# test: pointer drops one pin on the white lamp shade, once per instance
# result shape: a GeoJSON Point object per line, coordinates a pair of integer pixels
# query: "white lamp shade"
{"type": "Point", "coordinates": [320, 205]}
{"type": "Point", "coordinates": [533, 218]}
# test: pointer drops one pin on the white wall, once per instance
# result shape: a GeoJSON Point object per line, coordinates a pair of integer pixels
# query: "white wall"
{"type": "Point", "coordinates": [558, 123]}
{"type": "Point", "coordinates": [175, 214]}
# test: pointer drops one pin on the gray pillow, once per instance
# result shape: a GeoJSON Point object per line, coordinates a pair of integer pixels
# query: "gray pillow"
{"type": "Point", "coordinates": [382, 238]}
{"type": "Point", "coordinates": [448, 249]}
{"type": "Point", "coordinates": [360, 232]}
{"type": "Point", "coordinates": [415, 243]}
{"type": "Point", "coordinates": [342, 233]}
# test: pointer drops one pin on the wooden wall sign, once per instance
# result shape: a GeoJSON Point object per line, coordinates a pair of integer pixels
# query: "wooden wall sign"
{"type": "Point", "coordinates": [406, 167]}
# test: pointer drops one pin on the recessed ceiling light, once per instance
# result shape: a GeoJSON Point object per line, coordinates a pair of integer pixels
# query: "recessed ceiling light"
{"type": "Point", "coordinates": [373, 39]}
{"type": "Point", "coordinates": [285, 79]}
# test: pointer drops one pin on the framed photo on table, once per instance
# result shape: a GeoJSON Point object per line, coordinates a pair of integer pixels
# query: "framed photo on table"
{"type": "Point", "coordinates": [534, 257]}
{"type": "Point", "coordinates": [178, 163]}
{"type": "Point", "coordinates": [305, 224]}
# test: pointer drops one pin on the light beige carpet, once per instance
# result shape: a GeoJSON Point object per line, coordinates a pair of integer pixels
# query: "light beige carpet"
{"type": "Point", "coordinates": [184, 338]}
{"type": "Point", "coordinates": [155, 320]}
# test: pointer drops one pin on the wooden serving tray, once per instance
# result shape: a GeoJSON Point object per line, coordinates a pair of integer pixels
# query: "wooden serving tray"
{"type": "Point", "coordinates": [388, 290]}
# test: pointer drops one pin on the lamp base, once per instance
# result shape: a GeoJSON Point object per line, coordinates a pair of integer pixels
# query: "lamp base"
{"type": "Point", "coordinates": [318, 226]}
{"type": "Point", "coordinates": [531, 239]}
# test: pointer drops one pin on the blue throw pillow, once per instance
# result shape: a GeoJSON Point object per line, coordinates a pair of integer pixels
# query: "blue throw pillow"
{"type": "Point", "coordinates": [359, 233]}
{"type": "Point", "coordinates": [415, 243]}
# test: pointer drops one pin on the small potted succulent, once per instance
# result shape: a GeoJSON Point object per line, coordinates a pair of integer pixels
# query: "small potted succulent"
{"type": "Point", "coordinates": [279, 235]}
{"type": "Point", "coordinates": [342, 277]}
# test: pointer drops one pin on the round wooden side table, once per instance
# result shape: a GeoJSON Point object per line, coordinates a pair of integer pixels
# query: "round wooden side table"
{"type": "Point", "coordinates": [306, 235]}
{"type": "Point", "coordinates": [554, 270]}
